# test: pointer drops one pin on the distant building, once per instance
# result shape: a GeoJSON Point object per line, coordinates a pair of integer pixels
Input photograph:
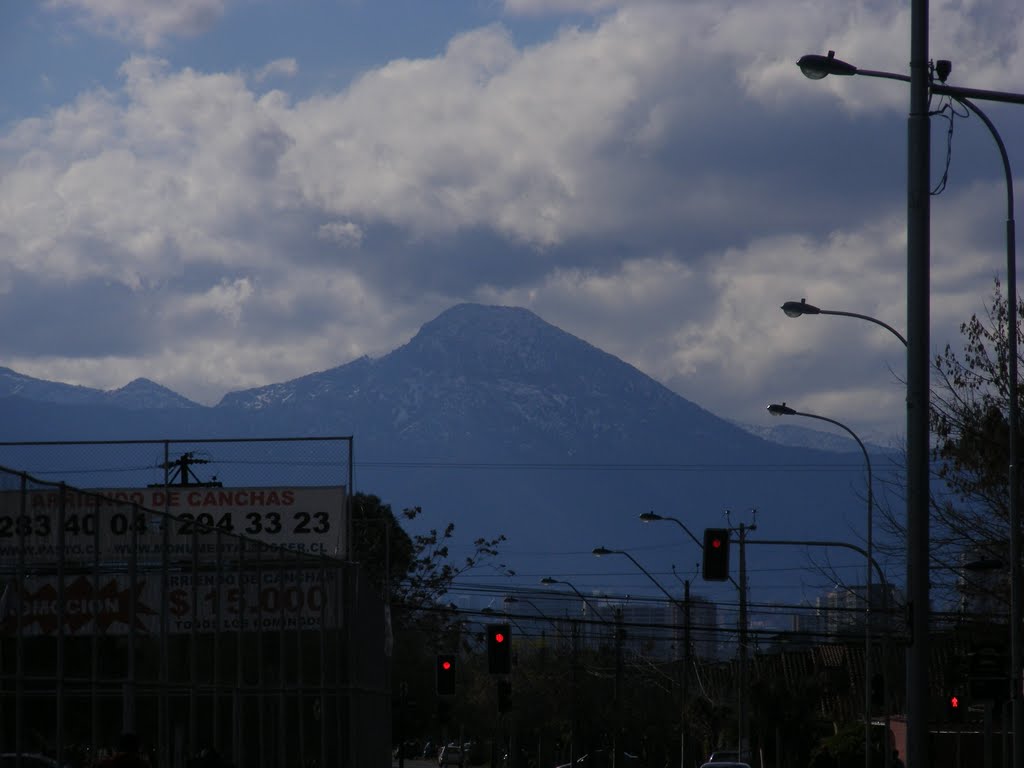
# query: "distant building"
{"type": "Point", "coordinates": [983, 582]}
{"type": "Point", "coordinates": [653, 628]}
{"type": "Point", "coordinates": [842, 611]}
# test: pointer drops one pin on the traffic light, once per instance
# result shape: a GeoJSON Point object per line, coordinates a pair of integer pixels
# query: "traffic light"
{"type": "Point", "coordinates": [716, 554]}
{"type": "Point", "coordinates": [499, 649]}
{"type": "Point", "coordinates": [955, 706]}
{"type": "Point", "coordinates": [445, 678]}
{"type": "Point", "coordinates": [504, 695]}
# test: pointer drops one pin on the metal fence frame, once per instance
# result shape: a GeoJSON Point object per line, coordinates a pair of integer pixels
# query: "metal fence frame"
{"type": "Point", "coordinates": [292, 675]}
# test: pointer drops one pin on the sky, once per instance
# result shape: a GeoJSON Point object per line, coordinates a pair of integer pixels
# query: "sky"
{"type": "Point", "coordinates": [222, 194]}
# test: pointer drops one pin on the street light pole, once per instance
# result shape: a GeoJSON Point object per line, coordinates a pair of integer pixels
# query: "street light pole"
{"type": "Point", "coordinates": [548, 581]}
{"type": "Point", "coordinates": [918, 278]}
{"type": "Point", "coordinates": [574, 747]}
{"type": "Point", "coordinates": [1013, 474]}
{"type": "Point", "coordinates": [600, 552]}
{"type": "Point", "coordinates": [784, 410]}
{"type": "Point", "coordinates": [918, 222]}
{"type": "Point", "coordinates": [799, 308]}
{"type": "Point", "coordinates": [918, 344]}
{"type": "Point", "coordinates": [649, 517]}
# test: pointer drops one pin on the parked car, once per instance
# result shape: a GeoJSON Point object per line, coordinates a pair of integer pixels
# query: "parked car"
{"type": "Point", "coordinates": [720, 756]}
{"type": "Point", "coordinates": [450, 755]}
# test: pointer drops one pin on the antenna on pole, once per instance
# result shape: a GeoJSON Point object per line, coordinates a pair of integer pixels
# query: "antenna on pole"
{"type": "Point", "coordinates": [181, 473]}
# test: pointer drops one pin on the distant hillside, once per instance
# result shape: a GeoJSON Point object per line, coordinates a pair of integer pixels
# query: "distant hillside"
{"type": "Point", "coordinates": [502, 423]}
{"type": "Point", "coordinates": [137, 394]}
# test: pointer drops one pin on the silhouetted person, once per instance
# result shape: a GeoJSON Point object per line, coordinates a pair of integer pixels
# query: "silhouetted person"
{"type": "Point", "coordinates": [127, 755]}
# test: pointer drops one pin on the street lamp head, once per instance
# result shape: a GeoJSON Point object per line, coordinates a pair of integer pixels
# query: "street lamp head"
{"type": "Point", "coordinates": [548, 581]}
{"type": "Point", "coordinates": [817, 67]}
{"type": "Point", "coordinates": [599, 551]}
{"type": "Point", "coordinates": [649, 517]}
{"type": "Point", "coordinates": [797, 308]}
{"type": "Point", "coordinates": [781, 410]}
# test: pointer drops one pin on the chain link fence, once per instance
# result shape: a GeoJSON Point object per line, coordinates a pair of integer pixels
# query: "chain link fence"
{"type": "Point", "coordinates": [210, 618]}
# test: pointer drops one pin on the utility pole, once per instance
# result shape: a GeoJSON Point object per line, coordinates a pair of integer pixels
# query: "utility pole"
{"type": "Point", "coordinates": [617, 741]}
{"type": "Point", "coordinates": [742, 693]}
{"type": "Point", "coordinates": [574, 741]}
{"type": "Point", "coordinates": [179, 472]}
{"type": "Point", "coordinates": [918, 369]}
{"type": "Point", "coordinates": [686, 673]}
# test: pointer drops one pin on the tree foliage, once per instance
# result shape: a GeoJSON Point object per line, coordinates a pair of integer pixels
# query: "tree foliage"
{"type": "Point", "coordinates": [970, 428]}
{"type": "Point", "coordinates": [415, 572]}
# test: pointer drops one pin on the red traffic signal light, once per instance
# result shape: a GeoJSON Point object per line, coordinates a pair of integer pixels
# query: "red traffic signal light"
{"type": "Point", "coordinates": [445, 674]}
{"type": "Point", "coordinates": [499, 649]}
{"type": "Point", "coordinates": [716, 554]}
{"type": "Point", "coordinates": [956, 705]}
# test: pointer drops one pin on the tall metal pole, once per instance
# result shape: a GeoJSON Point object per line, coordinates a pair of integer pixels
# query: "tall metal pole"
{"type": "Point", "coordinates": [918, 277]}
{"type": "Point", "coordinates": [619, 692]}
{"type": "Point", "coordinates": [686, 673]}
{"type": "Point", "coordinates": [1016, 610]}
{"type": "Point", "coordinates": [1013, 473]}
{"type": "Point", "coordinates": [917, 307]}
{"type": "Point", "coordinates": [784, 410]}
{"type": "Point", "coordinates": [742, 683]}
{"type": "Point", "coordinates": [1013, 421]}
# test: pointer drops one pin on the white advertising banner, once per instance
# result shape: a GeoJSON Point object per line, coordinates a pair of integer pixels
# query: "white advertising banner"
{"type": "Point", "coordinates": [206, 601]}
{"type": "Point", "coordinates": [212, 524]}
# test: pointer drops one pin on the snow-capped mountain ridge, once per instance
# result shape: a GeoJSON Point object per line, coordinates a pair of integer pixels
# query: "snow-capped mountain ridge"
{"type": "Point", "coordinates": [140, 393]}
{"type": "Point", "coordinates": [490, 418]}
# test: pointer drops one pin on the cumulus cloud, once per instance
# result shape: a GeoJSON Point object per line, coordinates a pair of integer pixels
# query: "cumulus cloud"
{"type": "Point", "coordinates": [344, 233]}
{"type": "Point", "coordinates": [657, 181]}
{"type": "Point", "coordinates": [145, 22]}
{"type": "Point", "coordinates": [225, 299]}
{"type": "Point", "coordinates": [540, 7]}
{"type": "Point", "coordinates": [278, 68]}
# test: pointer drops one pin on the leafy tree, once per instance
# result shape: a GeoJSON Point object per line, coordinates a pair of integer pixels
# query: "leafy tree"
{"type": "Point", "coordinates": [415, 572]}
{"type": "Point", "coordinates": [970, 402]}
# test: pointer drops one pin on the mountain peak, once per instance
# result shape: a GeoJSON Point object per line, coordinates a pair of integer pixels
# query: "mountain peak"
{"type": "Point", "coordinates": [480, 341]}
{"type": "Point", "coordinates": [143, 393]}
{"type": "Point", "coordinates": [460, 316]}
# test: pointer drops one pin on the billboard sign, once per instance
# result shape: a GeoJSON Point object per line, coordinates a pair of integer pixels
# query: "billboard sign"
{"type": "Point", "coordinates": [177, 523]}
{"type": "Point", "coordinates": [206, 601]}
